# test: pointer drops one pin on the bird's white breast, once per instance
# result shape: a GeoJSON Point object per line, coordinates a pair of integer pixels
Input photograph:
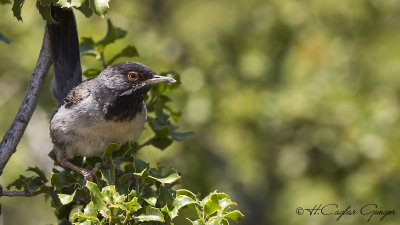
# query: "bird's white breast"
{"type": "Point", "coordinates": [85, 132]}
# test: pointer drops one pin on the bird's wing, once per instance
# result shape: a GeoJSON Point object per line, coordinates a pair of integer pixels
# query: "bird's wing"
{"type": "Point", "coordinates": [78, 93]}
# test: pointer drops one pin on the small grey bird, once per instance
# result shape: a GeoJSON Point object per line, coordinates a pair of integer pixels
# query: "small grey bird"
{"type": "Point", "coordinates": [103, 110]}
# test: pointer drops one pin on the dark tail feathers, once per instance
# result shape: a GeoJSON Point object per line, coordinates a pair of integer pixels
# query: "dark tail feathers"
{"type": "Point", "coordinates": [65, 51]}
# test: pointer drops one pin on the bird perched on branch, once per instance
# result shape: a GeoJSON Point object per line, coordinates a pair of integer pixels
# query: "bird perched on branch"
{"type": "Point", "coordinates": [98, 111]}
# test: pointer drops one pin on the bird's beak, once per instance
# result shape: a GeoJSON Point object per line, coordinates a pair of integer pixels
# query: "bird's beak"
{"type": "Point", "coordinates": [158, 79]}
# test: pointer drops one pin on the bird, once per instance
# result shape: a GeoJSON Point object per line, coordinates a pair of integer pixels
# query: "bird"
{"type": "Point", "coordinates": [107, 109]}
{"type": "Point", "coordinates": [92, 113]}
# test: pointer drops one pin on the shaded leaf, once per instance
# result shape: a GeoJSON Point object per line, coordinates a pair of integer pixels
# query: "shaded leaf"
{"type": "Point", "coordinates": [61, 180]}
{"type": "Point", "coordinates": [38, 172]}
{"type": "Point", "coordinates": [5, 1]}
{"type": "Point", "coordinates": [168, 178]}
{"type": "Point", "coordinates": [180, 136]}
{"type": "Point", "coordinates": [17, 6]}
{"type": "Point", "coordinates": [86, 47]}
{"type": "Point", "coordinates": [85, 9]}
{"type": "Point", "coordinates": [161, 142]}
{"type": "Point", "coordinates": [108, 175]}
{"type": "Point", "coordinates": [113, 34]}
{"type": "Point", "coordinates": [128, 51]}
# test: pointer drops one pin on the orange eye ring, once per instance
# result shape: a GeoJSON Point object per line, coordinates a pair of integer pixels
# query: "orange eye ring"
{"type": "Point", "coordinates": [133, 76]}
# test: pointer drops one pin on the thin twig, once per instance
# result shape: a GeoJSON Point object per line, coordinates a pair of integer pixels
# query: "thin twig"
{"type": "Point", "coordinates": [23, 193]}
{"type": "Point", "coordinates": [13, 135]}
{"type": "Point", "coordinates": [103, 60]}
{"type": "Point", "coordinates": [148, 142]}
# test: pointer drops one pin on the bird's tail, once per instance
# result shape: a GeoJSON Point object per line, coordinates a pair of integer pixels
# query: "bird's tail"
{"type": "Point", "coordinates": [65, 52]}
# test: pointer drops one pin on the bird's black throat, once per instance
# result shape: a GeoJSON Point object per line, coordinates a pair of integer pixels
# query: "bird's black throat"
{"type": "Point", "coordinates": [127, 105]}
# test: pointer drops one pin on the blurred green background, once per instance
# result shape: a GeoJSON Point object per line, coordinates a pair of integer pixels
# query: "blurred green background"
{"type": "Point", "coordinates": [293, 103]}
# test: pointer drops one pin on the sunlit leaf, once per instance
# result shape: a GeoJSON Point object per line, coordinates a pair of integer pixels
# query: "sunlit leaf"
{"type": "Point", "coordinates": [66, 199]}
{"type": "Point", "coordinates": [150, 214]}
{"type": "Point", "coordinates": [179, 203]}
{"type": "Point", "coordinates": [90, 73]}
{"type": "Point", "coordinates": [109, 149]}
{"type": "Point", "coordinates": [100, 7]}
{"type": "Point", "coordinates": [96, 196]}
{"type": "Point", "coordinates": [70, 3]}
{"type": "Point", "coordinates": [234, 215]}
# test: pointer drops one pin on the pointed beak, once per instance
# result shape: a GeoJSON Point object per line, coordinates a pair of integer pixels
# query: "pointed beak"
{"type": "Point", "coordinates": [158, 79]}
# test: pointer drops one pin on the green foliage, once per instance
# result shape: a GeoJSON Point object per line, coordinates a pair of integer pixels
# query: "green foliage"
{"type": "Point", "coordinates": [125, 189]}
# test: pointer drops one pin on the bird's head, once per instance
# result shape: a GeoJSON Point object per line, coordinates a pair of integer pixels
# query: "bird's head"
{"type": "Point", "coordinates": [128, 84]}
{"type": "Point", "coordinates": [128, 78]}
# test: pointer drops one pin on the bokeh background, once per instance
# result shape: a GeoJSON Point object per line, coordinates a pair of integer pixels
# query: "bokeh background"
{"type": "Point", "coordinates": [293, 103]}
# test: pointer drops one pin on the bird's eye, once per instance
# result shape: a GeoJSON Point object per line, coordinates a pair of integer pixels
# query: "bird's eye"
{"type": "Point", "coordinates": [133, 76]}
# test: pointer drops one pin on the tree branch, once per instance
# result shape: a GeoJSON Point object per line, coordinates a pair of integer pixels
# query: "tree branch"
{"type": "Point", "coordinates": [23, 193]}
{"type": "Point", "coordinates": [13, 135]}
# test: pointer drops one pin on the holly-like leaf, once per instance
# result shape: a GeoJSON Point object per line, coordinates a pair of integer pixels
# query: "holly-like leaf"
{"type": "Point", "coordinates": [70, 3]}
{"type": "Point", "coordinates": [150, 214]}
{"type": "Point", "coordinates": [179, 203]}
{"type": "Point", "coordinates": [128, 51]}
{"type": "Point", "coordinates": [113, 33]}
{"type": "Point", "coordinates": [169, 178]}
{"type": "Point", "coordinates": [38, 172]}
{"type": "Point", "coordinates": [66, 199]}
{"type": "Point", "coordinates": [100, 7]}
{"type": "Point", "coordinates": [211, 204]}
{"type": "Point", "coordinates": [87, 218]}
{"type": "Point", "coordinates": [3, 38]}
{"type": "Point", "coordinates": [61, 180]}
{"type": "Point", "coordinates": [17, 6]}
{"type": "Point", "coordinates": [96, 196]}
{"type": "Point", "coordinates": [234, 215]}
{"type": "Point", "coordinates": [165, 196]}
{"type": "Point", "coordinates": [161, 142]}
{"type": "Point", "coordinates": [196, 222]}
{"type": "Point", "coordinates": [108, 175]}
{"type": "Point", "coordinates": [109, 149]}
{"type": "Point", "coordinates": [180, 136]}
{"type": "Point", "coordinates": [132, 205]}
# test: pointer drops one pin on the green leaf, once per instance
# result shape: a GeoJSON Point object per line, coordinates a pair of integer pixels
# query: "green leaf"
{"type": "Point", "coordinates": [89, 73]}
{"type": "Point", "coordinates": [122, 151]}
{"type": "Point", "coordinates": [161, 142]}
{"type": "Point", "coordinates": [234, 215]}
{"type": "Point", "coordinates": [188, 193]}
{"type": "Point", "coordinates": [217, 221]}
{"type": "Point", "coordinates": [70, 3]}
{"type": "Point", "coordinates": [85, 217]}
{"type": "Point", "coordinates": [133, 205]}
{"type": "Point", "coordinates": [18, 183]}
{"type": "Point", "coordinates": [165, 196]}
{"type": "Point", "coordinates": [3, 38]}
{"type": "Point", "coordinates": [86, 47]}
{"type": "Point", "coordinates": [113, 34]}
{"type": "Point", "coordinates": [180, 136]}
{"type": "Point", "coordinates": [34, 183]}
{"type": "Point", "coordinates": [61, 180]}
{"type": "Point", "coordinates": [96, 196]}
{"type": "Point", "coordinates": [38, 172]}
{"type": "Point", "coordinates": [66, 199]}
{"type": "Point", "coordinates": [100, 7]}
{"type": "Point", "coordinates": [90, 209]}
{"type": "Point", "coordinates": [140, 167]}
{"type": "Point", "coordinates": [47, 2]}
{"type": "Point", "coordinates": [108, 175]}
{"type": "Point", "coordinates": [149, 196]}
{"type": "Point", "coordinates": [128, 51]}
{"type": "Point", "coordinates": [211, 204]}
{"type": "Point", "coordinates": [169, 178]}
{"type": "Point", "coordinates": [85, 9]}
{"type": "Point", "coordinates": [150, 214]}
{"type": "Point", "coordinates": [17, 6]}
{"type": "Point", "coordinates": [109, 149]}
{"type": "Point", "coordinates": [179, 203]}
{"type": "Point", "coordinates": [196, 222]}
